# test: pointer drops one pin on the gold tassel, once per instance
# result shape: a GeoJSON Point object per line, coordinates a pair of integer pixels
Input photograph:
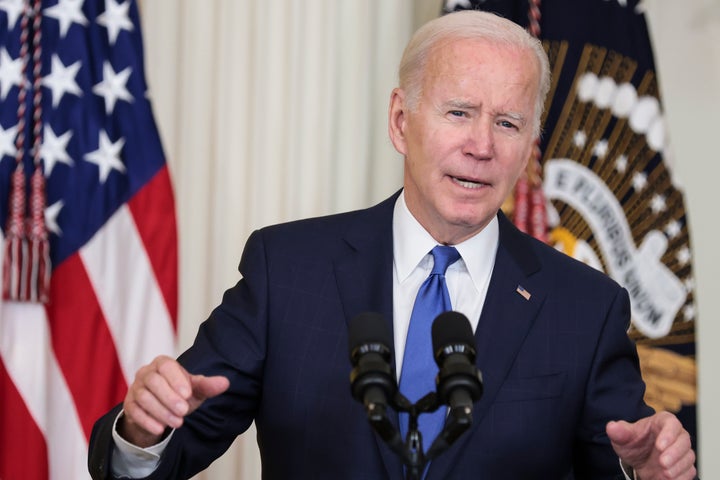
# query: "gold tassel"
{"type": "Point", "coordinates": [15, 266]}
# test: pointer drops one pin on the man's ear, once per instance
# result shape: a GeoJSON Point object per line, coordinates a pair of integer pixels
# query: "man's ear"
{"type": "Point", "coordinates": [396, 120]}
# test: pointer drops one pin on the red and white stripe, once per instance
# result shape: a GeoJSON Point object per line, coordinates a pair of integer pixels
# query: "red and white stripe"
{"type": "Point", "coordinates": [113, 307]}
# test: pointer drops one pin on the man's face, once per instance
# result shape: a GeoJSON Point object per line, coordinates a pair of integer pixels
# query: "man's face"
{"type": "Point", "coordinates": [469, 137]}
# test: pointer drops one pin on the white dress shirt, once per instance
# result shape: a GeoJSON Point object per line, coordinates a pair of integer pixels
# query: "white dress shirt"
{"type": "Point", "coordinates": [467, 279]}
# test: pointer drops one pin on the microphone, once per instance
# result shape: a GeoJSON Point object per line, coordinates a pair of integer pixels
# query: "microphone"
{"type": "Point", "coordinates": [371, 380]}
{"type": "Point", "coordinates": [459, 382]}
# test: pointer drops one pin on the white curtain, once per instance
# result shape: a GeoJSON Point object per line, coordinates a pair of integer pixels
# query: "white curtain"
{"type": "Point", "coordinates": [269, 111]}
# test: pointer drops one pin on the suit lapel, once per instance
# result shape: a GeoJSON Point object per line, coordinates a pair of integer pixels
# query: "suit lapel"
{"type": "Point", "coordinates": [506, 319]}
{"type": "Point", "coordinates": [364, 278]}
{"type": "Point", "coordinates": [364, 270]}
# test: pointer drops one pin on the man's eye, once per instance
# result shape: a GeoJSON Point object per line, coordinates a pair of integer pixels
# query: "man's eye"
{"type": "Point", "coordinates": [457, 113]}
{"type": "Point", "coordinates": [507, 124]}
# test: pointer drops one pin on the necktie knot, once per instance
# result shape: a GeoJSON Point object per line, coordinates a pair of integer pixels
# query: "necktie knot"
{"type": "Point", "coordinates": [444, 257]}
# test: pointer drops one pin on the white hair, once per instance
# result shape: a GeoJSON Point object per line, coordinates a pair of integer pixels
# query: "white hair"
{"type": "Point", "coordinates": [469, 24]}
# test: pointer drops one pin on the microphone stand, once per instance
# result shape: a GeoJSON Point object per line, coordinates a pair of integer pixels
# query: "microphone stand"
{"type": "Point", "coordinates": [411, 450]}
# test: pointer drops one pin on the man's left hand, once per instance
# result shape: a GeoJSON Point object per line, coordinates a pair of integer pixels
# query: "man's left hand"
{"type": "Point", "coordinates": [656, 447]}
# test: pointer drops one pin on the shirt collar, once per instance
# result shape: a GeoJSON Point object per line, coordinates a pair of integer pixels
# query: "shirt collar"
{"type": "Point", "coordinates": [411, 242]}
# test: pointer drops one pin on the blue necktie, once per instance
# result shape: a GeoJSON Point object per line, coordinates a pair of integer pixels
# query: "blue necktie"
{"type": "Point", "coordinates": [417, 377]}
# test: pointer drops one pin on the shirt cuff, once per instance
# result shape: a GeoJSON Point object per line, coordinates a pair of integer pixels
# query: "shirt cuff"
{"type": "Point", "coordinates": [627, 471]}
{"type": "Point", "coordinates": [129, 460]}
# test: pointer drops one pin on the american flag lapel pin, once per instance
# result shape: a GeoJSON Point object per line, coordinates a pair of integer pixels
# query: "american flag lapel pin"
{"type": "Point", "coordinates": [524, 293]}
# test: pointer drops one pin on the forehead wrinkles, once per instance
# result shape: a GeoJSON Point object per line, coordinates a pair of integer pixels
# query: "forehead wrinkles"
{"type": "Point", "coordinates": [466, 65]}
{"type": "Point", "coordinates": [458, 62]}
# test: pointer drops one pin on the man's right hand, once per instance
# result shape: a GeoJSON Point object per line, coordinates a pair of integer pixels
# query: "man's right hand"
{"type": "Point", "coordinates": [161, 395]}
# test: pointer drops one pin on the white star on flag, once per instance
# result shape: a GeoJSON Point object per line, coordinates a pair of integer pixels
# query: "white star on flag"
{"type": "Point", "coordinates": [601, 148]}
{"type": "Point", "coordinates": [13, 8]}
{"type": "Point", "coordinates": [579, 139]}
{"type": "Point", "coordinates": [683, 256]}
{"type": "Point", "coordinates": [113, 87]}
{"type": "Point", "coordinates": [51, 214]}
{"type": "Point", "coordinates": [7, 142]}
{"type": "Point", "coordinates": [107, 156]}
{"type": "Point", "coordinates": [115, 18]}
{"type": "Point", "coordinates": [10, 73]}
{"type": "Point", "coordinates": [621, 163]}
{"type": "Point", "coordinates": [61, 80]}
{"type": "Point", "coordinates": [673, 229]}
{"type": "Point", "coordinates": [67, 12]}
{"type": "Point", "coordinates": [639, 181]}
{"type": "Point", "coordinates": [658, 203]}
{"type": "Point", "coordinates": [54, 149]}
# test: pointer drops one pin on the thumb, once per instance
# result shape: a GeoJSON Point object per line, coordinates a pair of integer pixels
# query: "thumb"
{"type": "Point", "coordinates": [207, 387]}
{"type": "Point", "coordinates": [621, 432]}
{"type": "Point", "coordinates": [632, 442]}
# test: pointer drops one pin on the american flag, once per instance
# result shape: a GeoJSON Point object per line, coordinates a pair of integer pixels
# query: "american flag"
{"type": "Point", "coordinates": [73, 102]}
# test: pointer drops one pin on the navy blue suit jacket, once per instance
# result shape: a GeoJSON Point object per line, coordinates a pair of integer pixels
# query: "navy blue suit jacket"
{"type": "Point", "coordinates": [556, 367]}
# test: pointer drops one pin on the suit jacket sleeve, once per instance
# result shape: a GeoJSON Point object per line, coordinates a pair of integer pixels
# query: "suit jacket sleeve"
{"type": "Point", "coordinates": [230, 343]}
{"type": "Point", "coordinates": [614, 391]}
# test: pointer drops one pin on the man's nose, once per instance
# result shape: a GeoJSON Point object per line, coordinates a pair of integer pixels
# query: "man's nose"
{"type": "Point", "coordinates": [479, 140]}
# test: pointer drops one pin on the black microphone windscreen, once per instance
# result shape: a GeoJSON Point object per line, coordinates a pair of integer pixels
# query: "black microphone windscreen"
{"type": "Point", "coordinates": [451, 328]}
{"type": "Point", "coordinates": [368, 327]}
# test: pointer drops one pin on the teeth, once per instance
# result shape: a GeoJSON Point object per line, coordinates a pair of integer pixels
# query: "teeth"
{"type": "Point", "coordinates": [467, 183]}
